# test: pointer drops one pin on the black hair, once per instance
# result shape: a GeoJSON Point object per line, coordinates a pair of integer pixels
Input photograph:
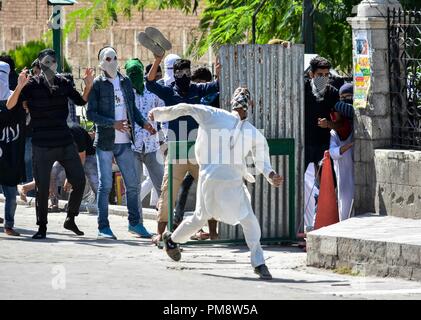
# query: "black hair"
{"type": "Point", "coordinates": [100, 50]}
{"type": "Point", "coordinates": [181, 64]}
{"type": "Point", "coordinates": [149, 67]}
{"type": "Point", "coordinates": [35, 63]}
{"type": "Point", "coordinates": [201, 73]}
{"type": "Point", "coordinates": [9, 60]}
{"type": "Point", "coordinates": [46, 52]}
{"type": "Point", "coordinates": [319, 63]}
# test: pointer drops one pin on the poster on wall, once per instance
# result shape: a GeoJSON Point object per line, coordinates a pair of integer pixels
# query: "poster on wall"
{"type": "Point", "coordinates": [362, 69]}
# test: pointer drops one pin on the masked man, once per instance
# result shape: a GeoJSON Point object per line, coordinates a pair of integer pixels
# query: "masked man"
{"type": "Point", "coordinates": [320, 99]}
{"type": "Point", "coordinates": [47, 97]}
{"type": "Point", "coordinates": [224, 140]}
{"type": "Point", "coordinates": [113, 110]}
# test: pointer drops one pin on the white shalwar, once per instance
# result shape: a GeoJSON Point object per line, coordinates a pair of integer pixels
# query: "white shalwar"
{"type": "Point", "coordinates": [222, 144]}
{"type": "Point", "coordinates": [344, 169]}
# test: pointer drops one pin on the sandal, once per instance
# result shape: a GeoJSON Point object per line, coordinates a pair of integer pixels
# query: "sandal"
{"type": "Point", "coordinates": [156, 239]}
{"type": "Point", "coordinates": [22, 194]}
{"type": "Point", "coordinates": [200, 235]}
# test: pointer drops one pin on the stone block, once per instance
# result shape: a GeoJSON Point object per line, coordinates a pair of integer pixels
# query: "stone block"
{"type": "Point", "coordinates": [411, 254]}
{"type": "Point", "coordinates": [328, 246]}
{"type": "Point", "coordinates": [379, 64]}
{"type": "Point", "coordinates": [382, 200]}
{"type": "Point", "coordinates": [393, 253]}
{"type": "Point", "coordinates": [415, 171]}
{"type": "Point", "coordinates": [375, 250]}
{"type": "Point", "coordinates": [379, 105]}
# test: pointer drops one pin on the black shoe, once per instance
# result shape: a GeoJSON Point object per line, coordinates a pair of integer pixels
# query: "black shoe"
{"type": "Point", "coordinates": [70, 224]}
{"type": "Point", "coordinates": [263, 272]}
{"type": "Point", "coordinates": [171, 248]}
{"type": "Point", "coordinates": [1, 220]}
{"type": "Point", "coordinates": [41, 234]}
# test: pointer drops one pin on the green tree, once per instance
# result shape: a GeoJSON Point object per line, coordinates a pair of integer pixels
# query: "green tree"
{"type": "Point", "coordinates": [229, 22]}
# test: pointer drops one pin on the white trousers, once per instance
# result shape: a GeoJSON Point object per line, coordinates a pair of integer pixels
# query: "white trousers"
{"type": "Point", "coordinates": [251, 230]}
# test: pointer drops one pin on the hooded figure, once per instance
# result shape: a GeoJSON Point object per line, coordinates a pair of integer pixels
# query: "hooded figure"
{"type": "Point", "coordinates": [12, 138]}
{"type": "Point", "coordinates": [224, 140]}
{"type": "Point", "coordinates": [134, 70]}
{"type": "Point", "coordinates": [48, 64]}
{"type": "Point", "coordinates": [108, 61]}
{"type": "Point", "coordinates": [169, 71]}
{"type": "Point", "coordinates": [342, 153]}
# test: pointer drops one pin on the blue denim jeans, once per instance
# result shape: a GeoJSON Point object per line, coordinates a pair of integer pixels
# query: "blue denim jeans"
{"type": "Point", "coordinates": [10, 205]}
{"type": "Point", "coordinates": [126, 161]}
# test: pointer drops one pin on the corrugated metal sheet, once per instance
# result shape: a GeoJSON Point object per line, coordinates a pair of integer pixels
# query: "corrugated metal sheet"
{"type": "Point", "coordinates": [274, 76]}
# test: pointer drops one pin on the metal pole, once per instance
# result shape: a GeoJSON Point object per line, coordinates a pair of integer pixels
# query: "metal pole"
{"type": "Point", "coordinates": [308, 27]}
{"type": "Point", "coordinates": [253, 23]}
{"type": "Point", "coordinates": [57, 37]}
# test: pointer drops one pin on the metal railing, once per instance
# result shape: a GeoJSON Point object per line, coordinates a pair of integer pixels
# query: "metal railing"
{"type": "Point", "coordinates": [405, 77]}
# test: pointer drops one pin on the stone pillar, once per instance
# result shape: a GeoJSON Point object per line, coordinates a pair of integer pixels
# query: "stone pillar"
{"type": "Point", "coordinates": [372, 124]}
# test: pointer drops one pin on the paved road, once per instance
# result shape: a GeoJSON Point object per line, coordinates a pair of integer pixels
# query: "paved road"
{"type": "Point", "coordinates": [69, 267]}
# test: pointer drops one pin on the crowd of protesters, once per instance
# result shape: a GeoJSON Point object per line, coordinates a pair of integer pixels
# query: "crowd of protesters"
{"type": "Point", "coordinates": [43, 147]}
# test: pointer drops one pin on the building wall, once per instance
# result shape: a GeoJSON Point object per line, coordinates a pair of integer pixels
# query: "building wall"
{"type": "Point", "coordinates": [25, 20]}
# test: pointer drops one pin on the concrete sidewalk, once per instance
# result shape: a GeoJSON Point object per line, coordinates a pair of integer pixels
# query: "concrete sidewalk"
{"type": "Point", "coordinates": [65, 266]}
{"type": "Point", "coordinates": [370, 245]}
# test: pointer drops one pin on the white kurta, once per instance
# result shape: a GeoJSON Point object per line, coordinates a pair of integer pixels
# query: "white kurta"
{"type": "Point", "coordinates": [222, 144]}
{"type": "Point", "coordinates": [344, 169]}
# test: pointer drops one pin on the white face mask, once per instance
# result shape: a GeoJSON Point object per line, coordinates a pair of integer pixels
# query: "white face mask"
{"type": "Point", "coordinates": [49, 68]}
{"type": "Point", "coordinates": [108, 62]}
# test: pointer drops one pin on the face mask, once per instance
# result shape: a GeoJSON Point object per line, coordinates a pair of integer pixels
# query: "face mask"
{"type": "Point", "coordinates": [348, 100]}
{"type": "Point", "coordinates": [49, 69]}
{"type": "Point", "coordinates": [183, 83]}
{"type": "Point", "coordinates": [108, 62]}
{"type": "Point", "coordinates": [320, 83]}
{"type": "Point", "coordinates": [134, 70]}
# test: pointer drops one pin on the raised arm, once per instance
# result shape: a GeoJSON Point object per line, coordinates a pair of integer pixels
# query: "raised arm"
{"type": "Point", "coordinates": [199, 112]}
{"type": "Point", "coordinates": [14, 98]}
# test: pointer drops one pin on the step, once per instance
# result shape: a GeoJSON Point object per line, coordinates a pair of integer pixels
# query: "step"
{"type": "Point", "coordinates": [369, 245]}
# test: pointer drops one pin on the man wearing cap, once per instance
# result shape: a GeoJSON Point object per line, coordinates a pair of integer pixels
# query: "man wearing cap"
{"type": "Point", "coordinates": [182, 90]}
{"type": "Point", "coordinates": [224, 140]}
{"type": "Point", "coordinates": [341, 150]}
{"type": "Point", "coordinates": [113, 110]}
{"type": "Point", "coordinates": [47, 97]}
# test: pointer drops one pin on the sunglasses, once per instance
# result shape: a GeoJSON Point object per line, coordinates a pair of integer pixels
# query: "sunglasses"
{"type": "Point", "coordinates": [181, 73]}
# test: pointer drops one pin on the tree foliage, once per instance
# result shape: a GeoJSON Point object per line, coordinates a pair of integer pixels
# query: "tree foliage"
{"type": "Point", "coordinates": [230, 22]}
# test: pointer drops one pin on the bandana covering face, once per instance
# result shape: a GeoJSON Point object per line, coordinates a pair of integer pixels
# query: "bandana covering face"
{"type": "Point", "coordinates": [4, 81]}
{"type": "Point", "coordinates": [169, 72]}
{"type": "Point", "coordinates": [110, 67]}
{"type": "Point", "coordinates": [318, 86]}
{"type": "Point", "coordinates": [48, 69]}
{"type": "Point", "coordinates": [134, 70]}
{"type": "Point", "coordinates": [241, 99]}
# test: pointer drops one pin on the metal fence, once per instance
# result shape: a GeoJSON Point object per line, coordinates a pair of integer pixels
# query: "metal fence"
{"type": "Point", "coordinates": [274, 76]}
{"type": "Point", "coordinates": [405, 77]}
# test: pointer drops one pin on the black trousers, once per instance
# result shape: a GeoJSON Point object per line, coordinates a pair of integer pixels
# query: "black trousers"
{"type": "Point", "coordinates": [43, 159]}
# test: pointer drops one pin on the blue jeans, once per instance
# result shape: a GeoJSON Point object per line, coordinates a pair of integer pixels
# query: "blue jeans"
{"type": "Point", "coordinates": [126, 161]}
{"type": "Point", "coordinates": [10, 205]}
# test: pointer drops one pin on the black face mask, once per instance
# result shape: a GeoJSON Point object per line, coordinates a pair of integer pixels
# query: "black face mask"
{"type": "Point", "coordinates": [348, 100]}
{"type": "Point", "coordinates": [183, 83]}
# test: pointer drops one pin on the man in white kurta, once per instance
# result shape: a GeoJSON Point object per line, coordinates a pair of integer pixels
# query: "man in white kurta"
{"type": "Point", "coordinates": [224, 140]}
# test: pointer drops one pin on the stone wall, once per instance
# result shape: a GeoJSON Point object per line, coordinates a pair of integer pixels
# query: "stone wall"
{"type": "Point", "coordinates": [25, 20]}
{"type": "Point", "coordinates": [398, 183]}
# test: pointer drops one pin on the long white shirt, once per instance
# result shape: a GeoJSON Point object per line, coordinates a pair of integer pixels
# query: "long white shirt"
{"type": "Point", "coordinates": [344, 169]}
{"type": "Point", "coordinates": [222, 144]}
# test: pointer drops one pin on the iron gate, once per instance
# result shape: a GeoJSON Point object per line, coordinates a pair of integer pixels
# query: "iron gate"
{"type": "Point", "coordinates": [405, 77]}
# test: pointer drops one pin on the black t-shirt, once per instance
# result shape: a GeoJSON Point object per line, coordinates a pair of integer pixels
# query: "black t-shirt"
{"type": "Point", "coordinates": [317, 139]}
{"type": "Point", "coordinates": [49, 110]}
{"type": "Point", "coordinates": [12, 145]}
{"type": "Point", "coordinates": [83, 140]}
